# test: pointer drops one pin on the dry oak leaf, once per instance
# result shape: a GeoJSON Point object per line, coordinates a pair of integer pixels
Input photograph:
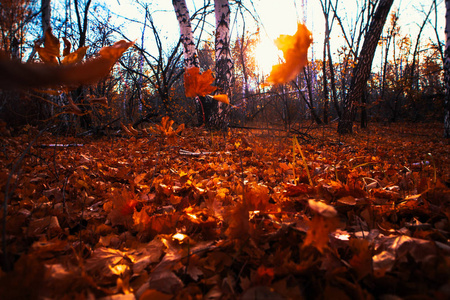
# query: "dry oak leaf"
{"type": "Point", "coordinates": [196, 84]}
{"type": "Point", "coordinates": [295, 52]}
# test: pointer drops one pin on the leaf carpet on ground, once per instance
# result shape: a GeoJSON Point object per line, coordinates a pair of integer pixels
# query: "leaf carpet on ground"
{"type": "Point", "coordinates": [137, 217]}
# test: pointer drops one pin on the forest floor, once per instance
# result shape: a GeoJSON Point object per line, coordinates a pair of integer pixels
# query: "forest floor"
{"type": "Point", "coordinates": [246, 214]}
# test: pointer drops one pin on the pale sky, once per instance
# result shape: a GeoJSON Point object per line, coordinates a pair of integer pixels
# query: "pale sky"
{"type": "Point", "coordinates": [277, 17]}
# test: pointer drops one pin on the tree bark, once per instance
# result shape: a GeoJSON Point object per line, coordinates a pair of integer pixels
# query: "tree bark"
{"type": "Point", "coordinates": [217, 113]}
{"type": "Point", "coordinates": [447, 71]}
{"type": "Point", "coordinates": [186, 35]}
{"type": "Point", "coordinates": [46, 15]}
{"type": "Point", "coordinates": [82, 25]}
{"type": "Point", "coordinates": [78, 94]}
{"type": "Point", "coordinates": [189, 50]}
{"type": "Point", "coordinates": [362, 70]}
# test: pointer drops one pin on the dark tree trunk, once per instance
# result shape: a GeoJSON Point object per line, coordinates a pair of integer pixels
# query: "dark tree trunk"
{"type": "Point", "coordinates": [362, 70]}
{"type": "Point", "coordinates": [447, 71]}
{"type": "Point", "coordinates": [79, 95]}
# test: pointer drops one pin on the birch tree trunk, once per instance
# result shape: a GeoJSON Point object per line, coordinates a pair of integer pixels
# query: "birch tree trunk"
{"type": "Point", "coordinates": [189, 50]}
{"type": "Point", "coordinates": [363, 68]}
{"type": "Point", "coordinates": [447, 71]}
{"type": "Point", "coordinates": [186, 35]}
{"type": "Point", "coordinates": [218, 113]}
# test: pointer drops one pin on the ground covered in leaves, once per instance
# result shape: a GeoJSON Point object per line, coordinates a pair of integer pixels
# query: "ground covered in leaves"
{"type": "Point", "coordinates": [191, 214]}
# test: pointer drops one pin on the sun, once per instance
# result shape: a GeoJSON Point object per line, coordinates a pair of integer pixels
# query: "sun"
{"type": "Point", "coordinates": [267, 55]}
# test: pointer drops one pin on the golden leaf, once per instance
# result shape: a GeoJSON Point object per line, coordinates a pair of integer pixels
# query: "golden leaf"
{"type": "Point", "coordinates": [222, 98]}
{"type": "Point", "coordinates": [67, 46]}
{"type": "Point", "coordinates": [115, 51]}
{"type": "Point", "coordinates": [50, 51]}
{"type": "Point", "coordinates": [295, 52]}
{"type": "Point", "coordinates": [196, 84]}
{"type": "Point", "coordinates": [75, 57]}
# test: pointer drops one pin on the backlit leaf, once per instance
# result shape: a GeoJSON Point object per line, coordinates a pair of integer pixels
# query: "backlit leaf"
{"type": "Point", "coordinates": [67, 47]}
{"type": "Point", "coordinates": [50, 51]}
{"type": "Point", "coordinates": [222, 98]}
{"type": "Point", "coordinates": [75, 57]}
{"type": "Point", "coordinates": [295, 52]}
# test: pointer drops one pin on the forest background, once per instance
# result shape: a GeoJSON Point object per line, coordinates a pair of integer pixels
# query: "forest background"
{"type": "Point", "coordinates": [406, 82]}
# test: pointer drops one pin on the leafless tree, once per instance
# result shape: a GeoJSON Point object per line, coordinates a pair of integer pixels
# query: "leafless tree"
{"type": "Point", "coordinates": [362, 70]}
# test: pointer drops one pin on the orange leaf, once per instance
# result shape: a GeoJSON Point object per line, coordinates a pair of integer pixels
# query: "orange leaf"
{"type": "Point", "coordinates": [362, 258]}
{"type": "Point", "coordinates": [196, 84]}
{"type": "Point", "coordinates": [222, 98]}
{"type": "Point", "coordinates": [318, 232]}
{"type": "Point", "coordinates": [257, 197]}
{"type": "Point", "coordinates": [123, 208]}
{"type": "Point", "coordinates": [238, 222]}
{"type": "Point", "coordinates": [18, 75]}
{"type": "Point", "coordinates": [113, 52]}
{"type": "Point", "coordinates": [50, 51]}
{"type": "Point", "coordinates": [322, 209]}
{"type": "Point", "coordinates": [67, 46]}
{"type": "Point", "coordinates": [295, 51]}
{"type": "Point", "coordinates": [322, 224]}
{"type": "Point", "coordinates": [74, 57]}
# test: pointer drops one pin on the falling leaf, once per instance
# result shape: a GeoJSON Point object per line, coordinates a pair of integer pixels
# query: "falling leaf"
{"type": "Point", "coordinates": [67, 46]}
{"type": "Point", "coordinates": [75, 57]}
{"type": "Point", "coordinates": [295, 52]}
{"type": "Point", "coordinates": [196, 84]}
{"type": "Point", "coordinates": [166, 128]}
{"type": "Point", "coordinates": [222, 98]}
{"type": "Point", "coordinates": [123, 207]}
{"type": "Point", "coordinates": [50, 51]}
{"type": "Point", "coordinates": [14, 74]}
